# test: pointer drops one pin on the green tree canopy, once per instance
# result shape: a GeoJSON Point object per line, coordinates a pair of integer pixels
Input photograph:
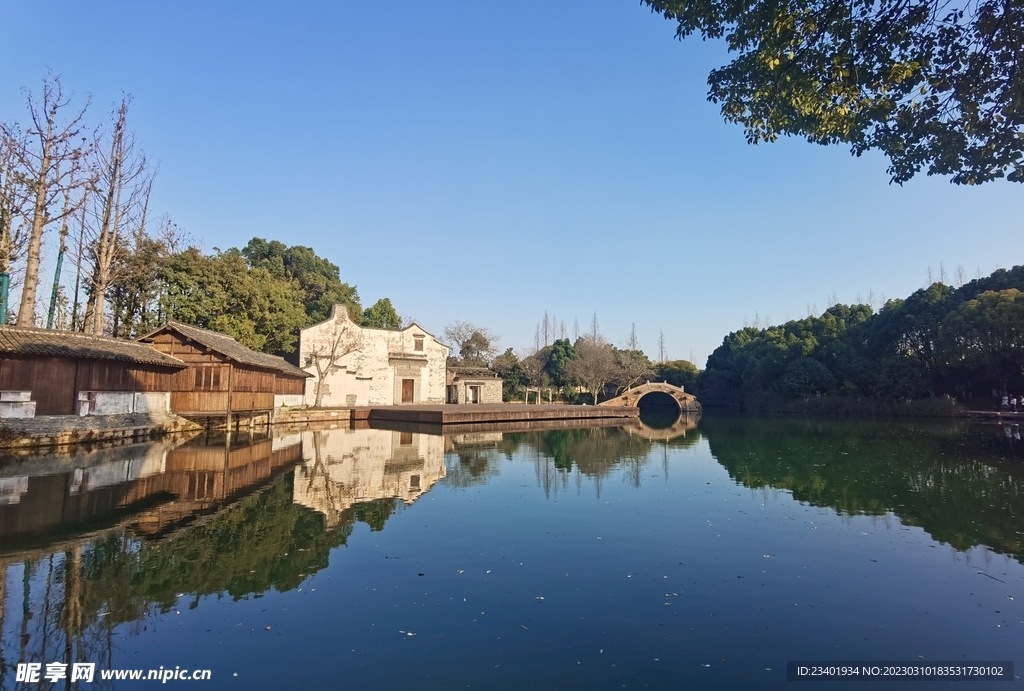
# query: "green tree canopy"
{"type": "Point", "coordinates": [513, 378]}
{"type": "Point", "coordinates": [940, 340]}
{"type": "Point", "coordinates": [934, 86]}
{"type": "Point", "coordinates": [988, 332]}
{"type": "Point", "coordinates": [561, 354]}
{"type": "Point", "coordinates": [678, 373]}
{"type": "Point", "coordinates": [261, 295]}
{"type": "Point", "coordinates": [220, 292]}
{"type": "Point", "coordinates": [318, 278]}
{"type": "Point", "coordinates": [382, 315]}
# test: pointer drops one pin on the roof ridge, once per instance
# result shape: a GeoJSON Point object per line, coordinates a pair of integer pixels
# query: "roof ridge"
{"type": "Point", "coordinates": [57, 332]}
{"type": "Point", "coordinates": [229, 346]}
{"type": "Point", "coordinates": [35, 341]}
{"type": "Point", "coordinates": [217, 334]}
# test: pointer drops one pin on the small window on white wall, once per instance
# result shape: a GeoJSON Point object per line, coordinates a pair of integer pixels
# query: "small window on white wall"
{"type": "Point", "coordinates": [418, 344]}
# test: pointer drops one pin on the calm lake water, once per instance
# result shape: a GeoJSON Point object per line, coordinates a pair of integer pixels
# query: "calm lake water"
{"type": "Point", "coordinates": [604, 558]}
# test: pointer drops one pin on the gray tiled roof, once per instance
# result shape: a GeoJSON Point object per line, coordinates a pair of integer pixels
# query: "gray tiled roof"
{"type": "Point", "coordinates": [477, 372]}
{"type": "Point", "coordinates": [228, 346]}
{"type": "Point", "coordinates": [27, 342]}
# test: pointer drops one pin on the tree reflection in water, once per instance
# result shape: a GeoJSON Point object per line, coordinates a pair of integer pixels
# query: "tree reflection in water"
{"type": "Point", "coordinates": [963, 484]}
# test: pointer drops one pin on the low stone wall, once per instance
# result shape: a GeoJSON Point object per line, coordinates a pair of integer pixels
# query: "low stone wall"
{"type": "Point", "coordinates": [123, 403]}
{"type": "Point", "coordinates": [61, 430]}
{"type": "Point", "coordinates": [293, 416]}
{"type": "Point", "coordinates": [284, 400]}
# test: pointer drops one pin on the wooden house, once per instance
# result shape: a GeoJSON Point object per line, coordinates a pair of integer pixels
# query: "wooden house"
{"type": "Point", "coordinates": [65, 373]}
{"type": "Point", "coordinates": [224, 378]}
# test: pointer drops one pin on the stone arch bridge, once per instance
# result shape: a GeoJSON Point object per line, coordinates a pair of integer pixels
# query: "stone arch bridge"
{"type": "Point", "coordinates": [687, 402]}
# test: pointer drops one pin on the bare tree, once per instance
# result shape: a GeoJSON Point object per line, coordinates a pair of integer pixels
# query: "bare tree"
{"type": "Point", "coordinates": [595, 366]}
{"type": "Point", "coordinates": [475, 344]}
{"type": "Point", "coordinates": [632, 342]}
{"type": "Point", "coordinates": [14, 196]}
{"type": "Point", "coordinates": [121, 200]}
{"type": "Point", "coordinates": [661, 346]}
{"type": "Point", "coordinates": [57, 151]}
{"type": "Point", "coordinates": [545, 330]}
{"type": "Point", "coordinates": [595, 329]}
{"type": "Point", "coordinates": [960, 276]}
{"type": "Point", "coordinates": [872, 300]}
{"type": "Point", "coordinates": [633, 367]}
{"type": "Point", "coordinates": [536, 377]}
{"type": "Point", "coordinates": [327, 355]}
{"type": "Point", "coordinates": [575, 329]}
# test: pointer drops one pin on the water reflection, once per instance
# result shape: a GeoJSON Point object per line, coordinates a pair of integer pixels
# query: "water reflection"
{"type": "Point", "coordinates": [99, 544]}
{"type": "Point", "coordinates": [98, 539]}
{"type": "Point", "coordinates": [964, 485]}
{"type": "Point", "coordinates": [342, 468]}
{"type": "Point", "coordinates": [566, 456]}
{"type": "Point", "coordinates": [152, 487]}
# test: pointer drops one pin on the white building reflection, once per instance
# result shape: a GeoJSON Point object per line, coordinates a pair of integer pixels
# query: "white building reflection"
{"type": "Point", "coordinates": [343, 467]}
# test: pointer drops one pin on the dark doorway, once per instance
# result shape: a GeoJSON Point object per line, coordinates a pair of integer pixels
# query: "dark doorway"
{"type": "Point", "coordinates": [658, 410]}
{"type": "Point", "coordinates": [407, 388]}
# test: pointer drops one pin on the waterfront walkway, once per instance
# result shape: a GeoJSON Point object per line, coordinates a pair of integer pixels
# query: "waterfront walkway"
{"type": "Point", "coordinates": [997, 416]}
{"type": "Point", "coordinates": [478, 414]}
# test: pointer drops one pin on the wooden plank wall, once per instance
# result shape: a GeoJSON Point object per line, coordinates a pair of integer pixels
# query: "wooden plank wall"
{"type": "Point", "coordinates": [284, 384]}
{"type": "Point", "coordinates": [97, 375]}
{"type": "Point", "coordinates": [55, 382]}
{"type": "Point", "coordinates": [53, 386]}
{"type": "Point", "coordinates": [15, 374]}
{"type": "Point", "coordinates": [51, 381]}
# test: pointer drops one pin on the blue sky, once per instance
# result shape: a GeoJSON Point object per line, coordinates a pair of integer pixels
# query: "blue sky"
{"type": "Point", "coordinates": [490, 161]}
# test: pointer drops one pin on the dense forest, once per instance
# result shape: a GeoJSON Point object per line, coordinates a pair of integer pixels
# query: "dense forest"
{"type": "Point", "coordinates": [80, 191]}
{"type": "Point", "coordinates": [965, 343]}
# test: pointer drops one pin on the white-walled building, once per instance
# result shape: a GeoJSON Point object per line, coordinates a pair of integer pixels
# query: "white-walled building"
{"type": "Point", "coordinates": [473, 385]}
{"type": "Point", "coordinates": [365, 366]}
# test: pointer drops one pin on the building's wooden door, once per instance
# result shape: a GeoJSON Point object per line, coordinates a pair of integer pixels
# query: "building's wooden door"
{"type": "Point", "coordinates": [407, 389]}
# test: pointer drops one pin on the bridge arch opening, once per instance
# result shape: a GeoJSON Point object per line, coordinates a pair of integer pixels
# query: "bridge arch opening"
{"type": "Point", "coordinates": [658, 409]}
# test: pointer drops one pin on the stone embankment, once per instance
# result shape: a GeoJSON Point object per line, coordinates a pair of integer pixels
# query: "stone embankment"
{"type": "Point", "coordinates": [61, 430]}
{"type": "Point", "coordinates": [296, 416]}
